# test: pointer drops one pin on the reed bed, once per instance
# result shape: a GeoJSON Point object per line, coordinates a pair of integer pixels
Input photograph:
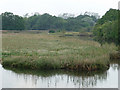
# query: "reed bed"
{"type": "Point", "coordinates": [49, 51]}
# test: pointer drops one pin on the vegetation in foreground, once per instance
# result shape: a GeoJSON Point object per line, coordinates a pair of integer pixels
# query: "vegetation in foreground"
{"type": "Point", "coordinates": [50, 51]}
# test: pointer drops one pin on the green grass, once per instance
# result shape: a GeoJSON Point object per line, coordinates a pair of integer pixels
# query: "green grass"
{"type": "Point", "coordinates": [49, 51]}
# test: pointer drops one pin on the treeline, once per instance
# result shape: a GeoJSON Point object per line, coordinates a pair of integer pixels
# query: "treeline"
{"type": "Point", "coordinates": [107, 29]}
{"type": "Point", "coordinates": [12, 22]}
{"type": "Point", "coordinates": [46, 22]}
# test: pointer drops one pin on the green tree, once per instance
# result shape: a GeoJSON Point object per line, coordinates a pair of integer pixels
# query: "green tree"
{"type": "Point", "coordinates": [119, 30]}
{"type": "Point", "coordinates": [12, 22]}
{"type": "Point", "coordinates": [46, 21]}
{"type": "Point", "coordinates": [106, 29]}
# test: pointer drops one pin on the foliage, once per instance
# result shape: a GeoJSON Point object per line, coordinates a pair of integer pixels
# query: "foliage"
{"type": "Point", "coordinates": [12, 22]}
{"type": "Point", "coordinates": [107, 28]}
{"type": "Point", "coordinates": [47, 22]}
{"type": "Point", "coordinates": [119, 29]}
{"type": "Point", "coordinates": [51, 31]}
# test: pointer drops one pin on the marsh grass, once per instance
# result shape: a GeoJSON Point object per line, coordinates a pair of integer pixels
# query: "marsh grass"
{"type": "Point", "coordinates": [49, 51]}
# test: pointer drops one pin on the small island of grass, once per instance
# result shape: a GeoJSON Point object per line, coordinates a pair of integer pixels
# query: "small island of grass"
{"type": "Point", "coordinates": [50, 51]}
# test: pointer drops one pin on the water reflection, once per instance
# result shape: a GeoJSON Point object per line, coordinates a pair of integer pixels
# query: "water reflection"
{"type": "Point", "coordinates": [59, 78]}
{"type": "Point", "coordinates": [0, 77]}
{"type": "Point", "coordinates": [115, 64]}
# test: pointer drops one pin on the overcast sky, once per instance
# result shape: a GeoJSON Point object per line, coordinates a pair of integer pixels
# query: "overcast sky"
{"type": "Point", "coordinates": [56, 7]}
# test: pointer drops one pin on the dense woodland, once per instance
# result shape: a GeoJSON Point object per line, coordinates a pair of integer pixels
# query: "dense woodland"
{"type": "Point", "coordinates": [46, 22]}
{"type": "Point", "coordinates": [12, 22]}
{"type": "Point", "coordinates": [105, 29]}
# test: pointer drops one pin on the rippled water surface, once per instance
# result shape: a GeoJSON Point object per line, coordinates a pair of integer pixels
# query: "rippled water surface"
{"type": "Point", "coordinates": [59, 79]}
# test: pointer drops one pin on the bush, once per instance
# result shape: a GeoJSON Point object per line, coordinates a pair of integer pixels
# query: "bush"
{"type": "Point", "coordinates": [51, 31]}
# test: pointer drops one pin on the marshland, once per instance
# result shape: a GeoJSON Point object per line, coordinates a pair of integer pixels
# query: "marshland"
{"type": "Point", "coordinates": [40, 56]}
{"type": "Point", "coordinates": [51, 51]}
{"type": "Point", "coordinates": [76, 52]}
{"type": "Point", "coordinates": [50, 58]}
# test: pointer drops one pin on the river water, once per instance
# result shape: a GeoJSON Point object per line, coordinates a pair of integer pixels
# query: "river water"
{"type": "Point", "coordinates": [59, 79]}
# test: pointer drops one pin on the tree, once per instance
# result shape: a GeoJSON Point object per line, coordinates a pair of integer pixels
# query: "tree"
{"type": "Point", "coordinates": [66, 15]}
{"type": "Point", "coordinates": [119, 30]}
{"type": "Point", "coordinates": [0, 22]}
{"type": "Point", "coordinates": [48, 22]}
{"type": "Point", "coordinates": [107, 28]}
{"type": "Point", "coordinates": [12, 22]}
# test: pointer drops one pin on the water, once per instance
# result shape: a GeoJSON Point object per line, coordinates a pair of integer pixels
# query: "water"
{"type": "Point", "coordinates": [0, 77]}
{"type": "Point", "coordinates": [59, 79]}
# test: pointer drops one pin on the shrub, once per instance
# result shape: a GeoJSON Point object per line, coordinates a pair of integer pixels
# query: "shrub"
{"type": "Point", "coordinates": [51, 31]}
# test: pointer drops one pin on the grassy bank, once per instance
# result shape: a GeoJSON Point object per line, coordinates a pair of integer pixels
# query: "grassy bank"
{"type": "Point", "coordinates": [115, 55]}
{"type": "Point", "coordinates": [50, 51]}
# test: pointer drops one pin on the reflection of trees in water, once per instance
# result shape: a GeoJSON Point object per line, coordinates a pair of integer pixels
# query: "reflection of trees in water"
{"type": "Point", "coordinates": [56, 78]}
{"type": "Point", "coordinates": [115, 64]}
{"type": "Point", "coordinates": [87, 81]}
{"type": "Point", "coordinates": [27, 78]}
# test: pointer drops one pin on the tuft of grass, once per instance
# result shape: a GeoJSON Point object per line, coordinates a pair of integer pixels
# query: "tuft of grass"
{"type": "Point", "coordinates": [115, 56]}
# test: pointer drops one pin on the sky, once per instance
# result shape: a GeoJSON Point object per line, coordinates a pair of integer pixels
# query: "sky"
{"type": "Point", "coordinates": [56, 7]}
